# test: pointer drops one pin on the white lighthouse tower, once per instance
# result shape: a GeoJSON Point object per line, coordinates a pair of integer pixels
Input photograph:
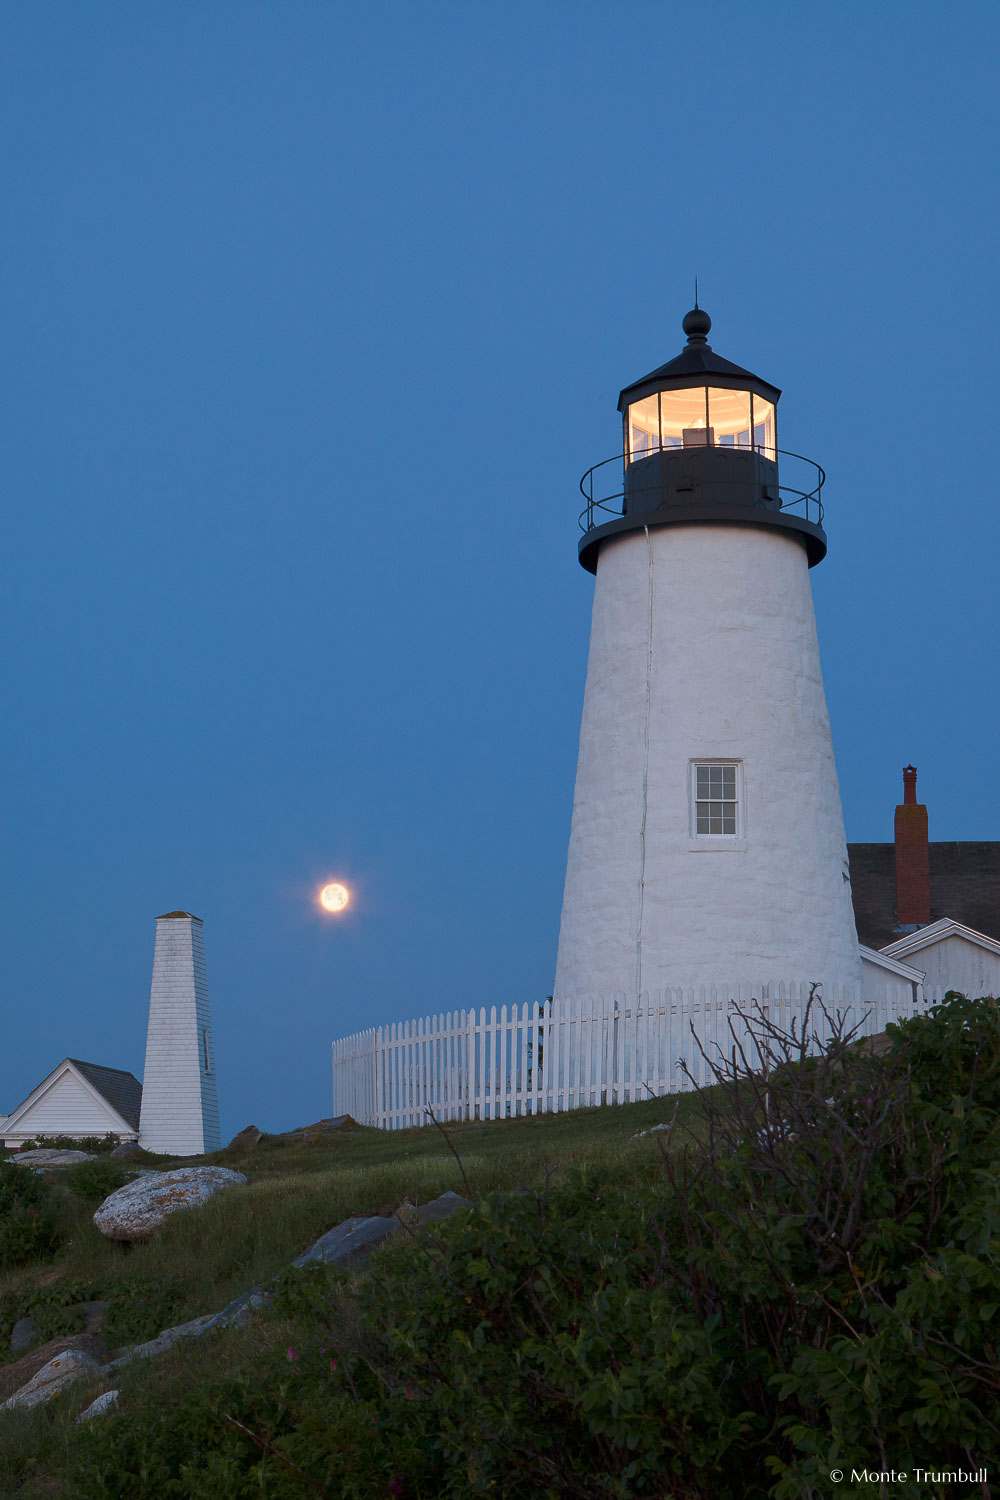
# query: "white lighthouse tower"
{"type": "Point", "coordinates": [180, 1102]}
{"type": "Point", "coordinates": [707, 843]}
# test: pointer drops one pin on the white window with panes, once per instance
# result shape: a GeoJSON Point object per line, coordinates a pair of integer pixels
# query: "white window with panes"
{"type": "Point", "coordinates": [716, 800]}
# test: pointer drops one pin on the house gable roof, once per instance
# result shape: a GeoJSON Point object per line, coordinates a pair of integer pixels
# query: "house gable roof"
{"type": "Point", "coordinates": [122, 1090]}
{"type": "Point", "coordinates": [890, 965]}
{"type": "Point", "coordinates": [926, 937]}
{"type": "Point", "coordinates": [118, 1092]}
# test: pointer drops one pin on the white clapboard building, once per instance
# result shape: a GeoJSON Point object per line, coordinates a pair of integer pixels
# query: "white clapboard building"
{"type": "Point", "coordinates": [175, 1111]}
{"type": "Point", "coordinates": [77, 1099]}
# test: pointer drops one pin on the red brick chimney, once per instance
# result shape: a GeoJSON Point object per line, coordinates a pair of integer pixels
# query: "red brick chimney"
{"type": "Point", "coordinates": [913, 874]}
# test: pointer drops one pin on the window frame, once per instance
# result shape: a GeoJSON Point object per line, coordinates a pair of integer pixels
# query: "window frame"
{"type": "Point", "coordinates": [701, 842]}
{"type": "Point", "coordinates": [763, 413]}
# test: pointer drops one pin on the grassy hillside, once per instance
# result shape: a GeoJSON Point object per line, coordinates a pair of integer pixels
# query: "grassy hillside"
{"type": "Point", "coordinates": [806, 1279]}
{"type": "Point", "coordinates": [296, 1191]}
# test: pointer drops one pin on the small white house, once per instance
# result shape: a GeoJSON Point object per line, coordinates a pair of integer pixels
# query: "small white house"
{"type": "Point", "coordinates": [77, 1099]}
{"type": "Point", "coordinates": [176, 1110]}
{"type": "Point", "coordinates": [952, 957]}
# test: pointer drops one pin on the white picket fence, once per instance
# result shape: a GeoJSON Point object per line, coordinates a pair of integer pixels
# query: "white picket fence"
{"type": "Point", "coordinates": [534, 1059]}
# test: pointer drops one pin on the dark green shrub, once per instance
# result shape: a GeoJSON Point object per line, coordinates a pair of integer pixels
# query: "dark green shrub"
{"type": "Point", "coordinates": [816, 1285]}
{"type": "Point", "coordinates": [21, 1187]}
{"type": "Point", "coordinates": [141, 1308]}
{"type": "Point", "coordinates": [27, 1234]}
{"type": "Point", "coordinates": [54, 1309]}
{"type": "Point", "coordinates": [29, 1223]}
{"type": "Point", "coordinates": [95, 1145]}
{"type": "Point", "coordinates": [93, 1181]}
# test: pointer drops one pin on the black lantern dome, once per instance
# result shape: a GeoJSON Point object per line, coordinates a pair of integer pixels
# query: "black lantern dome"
{"type": "Point", "coordinates": [700, 445]}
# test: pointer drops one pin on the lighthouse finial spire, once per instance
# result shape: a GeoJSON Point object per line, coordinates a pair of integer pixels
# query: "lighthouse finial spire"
{"type": "Point", "coordinates": [697, 324]}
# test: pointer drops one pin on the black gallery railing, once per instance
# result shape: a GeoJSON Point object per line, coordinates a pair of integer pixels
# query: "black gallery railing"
{"type": "Point", "coordinates": [604, 486]}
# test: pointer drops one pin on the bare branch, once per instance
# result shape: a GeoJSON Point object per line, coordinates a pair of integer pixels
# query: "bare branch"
{"type": "Point", "coordinates": [435, 1121]}
{"type": "Point", "coordinates": [267, 1447]}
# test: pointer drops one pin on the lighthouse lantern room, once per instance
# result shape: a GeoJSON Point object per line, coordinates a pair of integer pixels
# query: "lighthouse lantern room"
{"type": "Point", "coordinates": [707, 844]}
{"type": "Point", "coordinates": [700, 444]}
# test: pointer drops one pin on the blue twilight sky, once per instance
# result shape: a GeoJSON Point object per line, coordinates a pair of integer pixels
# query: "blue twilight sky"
{"type": "Point", "coordinates": [313, 314]}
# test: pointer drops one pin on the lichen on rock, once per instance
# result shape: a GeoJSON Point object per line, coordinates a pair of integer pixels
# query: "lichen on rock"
{"type": "Point", "coordinates": [136, 1211]}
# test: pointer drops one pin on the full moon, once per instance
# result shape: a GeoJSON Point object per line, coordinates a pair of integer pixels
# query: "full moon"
{"type": "Point", "coordinates": [334, 897]}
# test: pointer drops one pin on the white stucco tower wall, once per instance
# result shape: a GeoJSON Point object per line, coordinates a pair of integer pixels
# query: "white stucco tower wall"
{"type": "Point", "coordinates": [180, 1106]}
{"type": "Point", "coordinates": [707, 845]}
{"type": "Point", "coordinates": [704, 648]}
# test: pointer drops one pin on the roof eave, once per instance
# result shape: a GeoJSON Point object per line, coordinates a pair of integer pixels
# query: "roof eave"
{"type": "Point", "coordinates": [699, 366]}
{"type": "Point", "coordinates": [936, 932]}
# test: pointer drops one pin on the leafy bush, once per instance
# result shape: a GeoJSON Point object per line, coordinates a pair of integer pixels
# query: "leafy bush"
{"type": "Point", "coordinates": [93, 1181]}
{"type": "Point", "coordinates": [21, 1187]}
{"type": "Point", "coordinates": [54, 1309]}
{"type": "Point", "coordinates": [141, 1308]}
{"type": "Point", "coordinates": [29, 1223]}
{"type": "Point", "coordinates": [817, 1282]}
{"type": "Point", "coordinates": [95, 1145]}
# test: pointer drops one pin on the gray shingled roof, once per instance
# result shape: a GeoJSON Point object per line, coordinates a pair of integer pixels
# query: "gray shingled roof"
{"type": "Point", "coordinates": [123, 1091]}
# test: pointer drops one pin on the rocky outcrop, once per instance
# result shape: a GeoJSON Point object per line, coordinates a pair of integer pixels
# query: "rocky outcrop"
{"type": "Point", "coordinates": [164, 1340]}
{"type": "Point", "coordinates": [348, 1245]}
{"type": "Point", "coordinates": [93, 1314]}
{"type": "Point", "coordinates": [22, 1335]}
{"type": "Point", "coordinates": [57, 1364]}
{"type": "Point", "coordinates": [105, 1401]}
{"type": "Point", "coordinates": [47, 1156]}
{"type": "Point", "coordinates": [25, 1330]}
{"type": "Point", "coordinates": [351, 1242]}
{"type": "Point", "coordinates": [438, 1208]}
{"type": "Point", "coordinates": [136, 1211]}
{"type": "Point", "coordinates": [247, 1138]}
{"type": "Point", "coordinates": [317, 1132]}
{"type": "Point", "coordinates": [14, 1375]}
{"type": "Point", "coordinates": [65, 1369]}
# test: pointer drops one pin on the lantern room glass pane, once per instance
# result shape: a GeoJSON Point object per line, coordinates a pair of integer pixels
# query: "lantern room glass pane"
{"type": "Point", "coordinates": [729, 417]}
{"type": "Point", "coordinates": [684, 419]}
{"type": "Point", "coordinates": [643, 427]}
{"type": "Point", "coordinates": [763, 426]}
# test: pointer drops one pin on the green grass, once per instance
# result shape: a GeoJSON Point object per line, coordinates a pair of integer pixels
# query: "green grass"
{"type": "Point", "coordinates": [683, 1306]}
{"type": "Point", "coordinates": [297, 1192]}
{"type": "Point", "coordinates": [202, 1259]}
